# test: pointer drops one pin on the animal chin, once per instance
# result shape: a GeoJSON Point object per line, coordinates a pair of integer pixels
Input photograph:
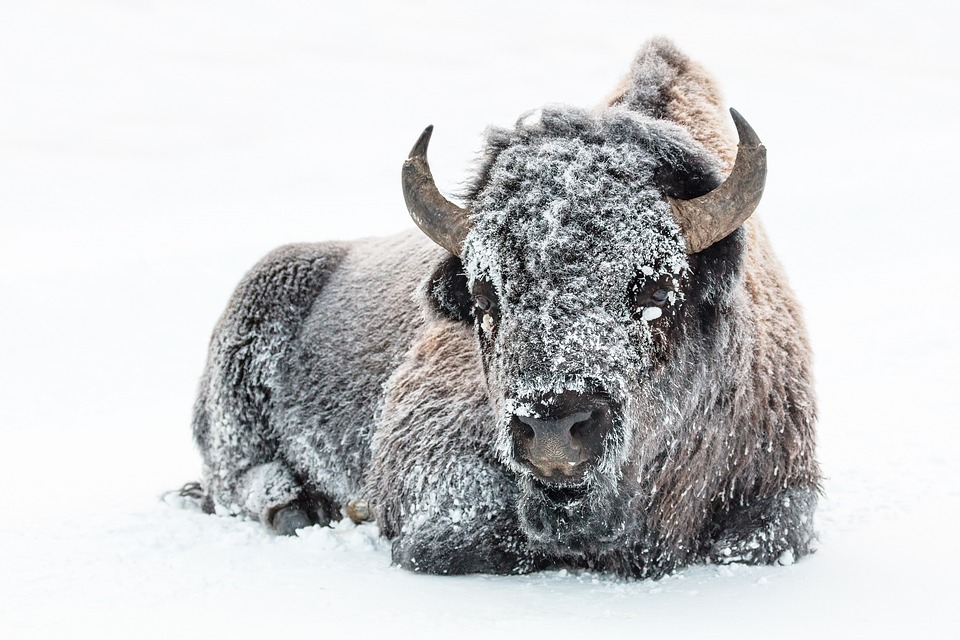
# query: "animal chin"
{"type": "Point", "coordinates": [570, 519]}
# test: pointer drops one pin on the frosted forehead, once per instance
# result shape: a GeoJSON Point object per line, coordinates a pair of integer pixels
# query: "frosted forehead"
{"type": "Point", "coordinates": [568, 193]}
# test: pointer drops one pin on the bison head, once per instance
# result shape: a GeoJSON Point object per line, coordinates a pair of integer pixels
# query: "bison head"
{"type": "Point", "coordinates": [575, 262]}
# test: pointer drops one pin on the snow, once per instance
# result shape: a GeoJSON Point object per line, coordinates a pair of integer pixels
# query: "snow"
{"type": "Point", "coordinates": [651, 313]}
{"type": "Point", "coordinates": [487, 323]}
{"type": "Point", "coordinates": [150, 153]}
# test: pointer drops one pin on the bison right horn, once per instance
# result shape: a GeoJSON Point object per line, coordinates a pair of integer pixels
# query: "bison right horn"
{"type": "Point", "coordinates": [444, 222]}
{"type": "Point", "coordinates": [717, 214]}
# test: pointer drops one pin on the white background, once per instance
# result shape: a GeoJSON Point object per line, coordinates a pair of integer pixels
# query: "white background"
{"type": "Point", "coordinates": [151, 152]}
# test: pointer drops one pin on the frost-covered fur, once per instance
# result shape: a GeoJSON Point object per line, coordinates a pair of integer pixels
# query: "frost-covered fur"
{"type": "Point", "coordinates": [362, 369]}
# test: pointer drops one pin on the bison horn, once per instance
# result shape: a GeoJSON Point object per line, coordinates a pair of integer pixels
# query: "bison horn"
{"type": "Point", "coordinates": [444, 222]}
{"type": "Point", "coordinates": [715, 215]}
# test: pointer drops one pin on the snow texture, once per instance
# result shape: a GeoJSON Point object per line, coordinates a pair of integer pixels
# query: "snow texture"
{"type": "Point", "coordinates": [153, 152]}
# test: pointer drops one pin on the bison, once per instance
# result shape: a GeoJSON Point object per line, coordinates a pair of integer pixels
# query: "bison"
{"type": "Point", "coordinates": [595, 363]}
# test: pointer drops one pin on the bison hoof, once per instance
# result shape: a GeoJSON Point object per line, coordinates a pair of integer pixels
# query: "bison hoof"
{"type": "Point", "coordinates": [359, 511]}
{"type": "Point", "coordinates": [287, 520]}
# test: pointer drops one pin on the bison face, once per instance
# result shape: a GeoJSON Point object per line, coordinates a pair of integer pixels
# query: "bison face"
{"type": "Point", "coordinates": [576, 275]}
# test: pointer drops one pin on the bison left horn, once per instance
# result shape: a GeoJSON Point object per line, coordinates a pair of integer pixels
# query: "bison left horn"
{"type": "Point", "coordinates": [444, 222]}
{"type": "Point", "coordinates": [717, 214]}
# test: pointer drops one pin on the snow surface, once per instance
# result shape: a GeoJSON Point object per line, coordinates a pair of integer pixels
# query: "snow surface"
{"type": "Point", "coordinates": [151, 152]}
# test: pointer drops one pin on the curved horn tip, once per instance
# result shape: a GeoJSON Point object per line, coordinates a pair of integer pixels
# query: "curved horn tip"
{"type": "Point", "coordinates": [442, 221]}
{"type": "Point", "coordinates": [420, 147]}
{"type": "Point", "coordinates": [748, 137]}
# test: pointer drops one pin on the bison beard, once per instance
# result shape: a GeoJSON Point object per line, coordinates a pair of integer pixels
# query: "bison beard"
{"type": "Point", "coordinates": [573, 521]}
{"type": "Point", "coordinates": [598, 363]}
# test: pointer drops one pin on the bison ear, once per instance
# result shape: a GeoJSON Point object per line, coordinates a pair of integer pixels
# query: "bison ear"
{"type": "Point", "coordinates": [448, 293]}
{"type": "Point", "coordinates": [686, 174]}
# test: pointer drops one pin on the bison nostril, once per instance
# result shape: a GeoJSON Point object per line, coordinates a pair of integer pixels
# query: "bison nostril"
{"type": "Point", "coordinates": [525, 431]}
{"type": "Point", "coordinates": [559, 427]}
{"type": "Point", "coordinates": [578, 428]}
{"type": "Point", "coordinates": [576, 431]}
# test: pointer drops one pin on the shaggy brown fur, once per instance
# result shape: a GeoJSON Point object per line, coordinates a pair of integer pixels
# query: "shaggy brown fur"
{"type": "Point", "coordinates": [686, 95]}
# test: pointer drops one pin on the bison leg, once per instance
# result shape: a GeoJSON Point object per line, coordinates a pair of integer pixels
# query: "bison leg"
{"type": "Point", "coordinates": [461, 521]}
{"type": "Point", "coordinates": [438, 491]}
{"type": "Point", "coordinates": [440, 551]}
{"type": "Point", "coordinates": [778, 529]}
{"type": "Point", "coordinates": [288, 519]}
{"type": "Point", "coordinates": [243, 471]}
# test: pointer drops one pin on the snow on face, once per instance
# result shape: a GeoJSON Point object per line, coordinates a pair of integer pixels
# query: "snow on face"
{"type": "Point", "coordinates": [567, 220]}
{"type": "Point", "coordinates": [568, 223]}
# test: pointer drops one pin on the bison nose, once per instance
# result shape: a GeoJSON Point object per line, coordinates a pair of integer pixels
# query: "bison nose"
{"type": "Point", "coordinates": [554, 447]}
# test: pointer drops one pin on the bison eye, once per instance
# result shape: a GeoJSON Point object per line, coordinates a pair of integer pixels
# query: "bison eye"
{"type": "Point", "coordinates": [649, 296]}
{"type": "Point", "coordinates": [486, 306]}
